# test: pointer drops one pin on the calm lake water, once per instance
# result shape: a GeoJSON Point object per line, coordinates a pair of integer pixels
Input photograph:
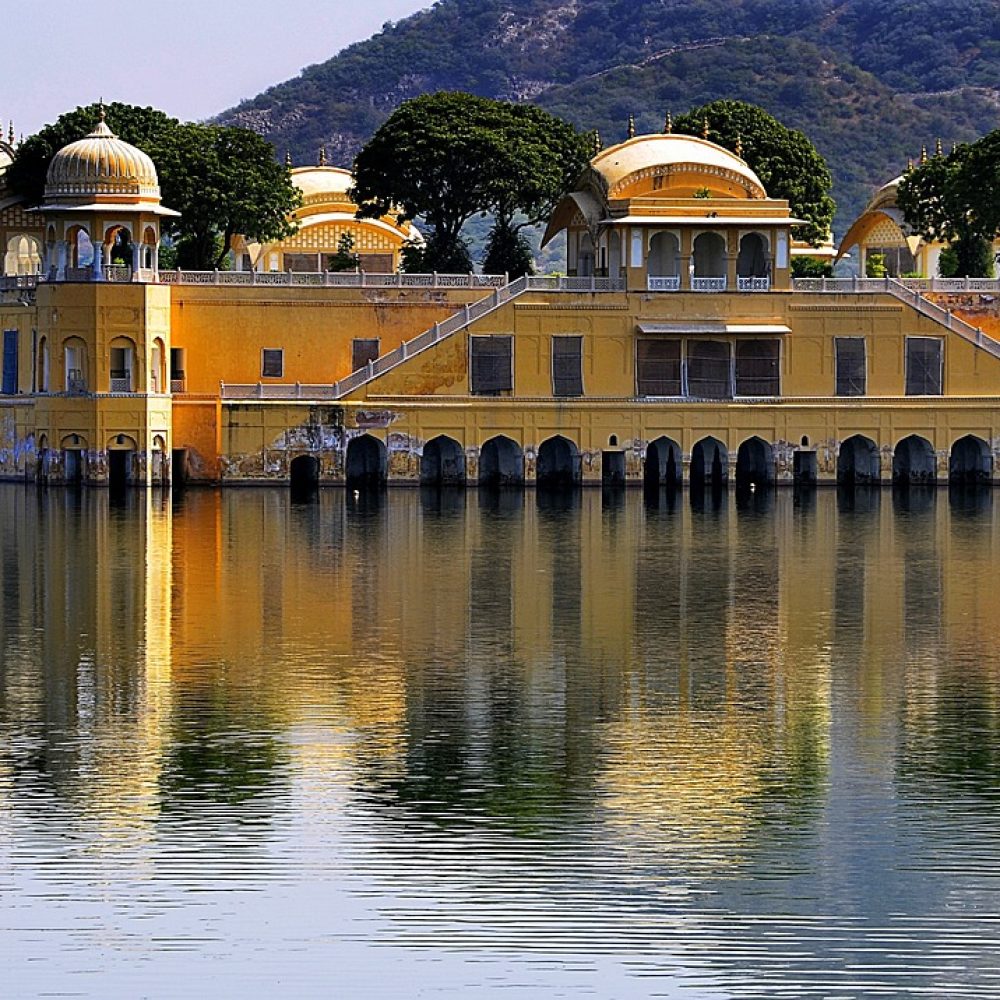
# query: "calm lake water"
{"type": "Point", "coordinates": [516, 745]}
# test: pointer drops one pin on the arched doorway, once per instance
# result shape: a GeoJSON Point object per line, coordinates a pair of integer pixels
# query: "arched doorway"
{"type": "Point", "coordinates": [709, 260]}
{"type": "Point", "coordinates": [752, 261]}
{"type": "Point", "coordinates": [119, 251]}
{"type": "Point", "coordinates": [159, 465]}
{"type": "Point", "coordinates": [754, 464]}
{"type": "Point", "coordinates": [75, 365]}
{"type": "Point", "coordinates": [709, 464]}
{"type": "Point", "coordinates": [970, 462]}
{"type": "Point", "coordinates": [663, 466]}
{"type": "Point", "coordinates": [121, 461]}
{"type": "Point", "coordinates": [614, 254]}
{"type": "Point", "coordinates": [23, 256]}
{"type": "Point", "coordinates": [74, 459]}
{"type": "Point", "coordinates": [367, 462]}
{"type": "Point", "coordinates": [42, 459]}
{"type": "Point", "coordinates": [664, 267]}
{"type": "Point", "coordinates": [501, 463]}
{"type": "Point", "coordinates": [858, 461]}
{"type": "Point", "coordinates": [585, 258]}
{"type": "Point", "coordinates": [304, 473]}
{"type": "Point", "coordinates": [442, 463]}
{"type": "Point", "coordinates": [914, 461]}
{"type": "Point", "coordinates": [559, 465]}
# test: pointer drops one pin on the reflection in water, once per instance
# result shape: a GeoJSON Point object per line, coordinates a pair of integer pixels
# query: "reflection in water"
{"type": "Point", "coordinates": [742, 745]}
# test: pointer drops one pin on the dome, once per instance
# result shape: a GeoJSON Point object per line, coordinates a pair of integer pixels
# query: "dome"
{"type": "Point", "coordinates": [885, 196]}
{"type": "Point", "coordinates": [644, 154]}
{"type": "Point", "coordinates": [102, 164]}
{"type": "Point", "coordinates": [319, 184]}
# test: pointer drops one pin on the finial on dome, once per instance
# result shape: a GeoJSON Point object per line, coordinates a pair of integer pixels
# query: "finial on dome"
{"type": "Point", "coordinates": [954, 146]}
{"type": "Point", "coordinates": [938, 147]}
{"type": "Point", "coordinates": [288, 158]}
{"type": "Point", "coordinates": [923, 154]}
{"type": "Point", "coordinates": [631, 126]}
{"type": "Point", "coordinates": [704, 127]}
{"type": "Point", "coordinates": [909, 164]}
{"type": "Point", "coordinates": [668, 125]}
{"type": "Point", "coordinates": [598, 145]}
{"type": "Point", "coordinates": [739, 146]}
{"type": "Point", "coordinates": [10, 133]}
{"type": "Point", "coordinates": [100, 110]}
{"type": "Point", "coordinates": [322, 156]}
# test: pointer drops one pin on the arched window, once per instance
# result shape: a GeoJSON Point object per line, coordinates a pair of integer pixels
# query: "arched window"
{"type": "Point", "coordinates": [75, 365]}
{"type": "Point", "coordinates": [122, 368]}
{"type": "Point", "coordinates": [709, 262]}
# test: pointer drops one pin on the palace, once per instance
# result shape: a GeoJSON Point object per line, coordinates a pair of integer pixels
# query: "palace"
{"type": "Point", "coordinates": [678, 349]}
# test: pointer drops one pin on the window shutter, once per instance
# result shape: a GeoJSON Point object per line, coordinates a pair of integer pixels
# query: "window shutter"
{"type": "Point", "coordinates": [923, 366]}
{"type": "Point", "coordinates": [658, 367]}
{"type": "Point", "coordinates": [363, 351]}
{"type": "Point", "coordinates": [709, 374]}
{"type": "Point", "coordinates": [567, 366]}
{"type": "Point", "coordinates": [492, 369]}
{"type": "Point", "coordinates": [852, 379]}
{"type": "Point", "coordinates": [10, 362]}
{"type": "Point", "coordinates": [272, 363]}
{"type": "Point", "coordinates": [757, 368]}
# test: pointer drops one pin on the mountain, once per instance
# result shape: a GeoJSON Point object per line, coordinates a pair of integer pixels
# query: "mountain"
{"type": "Point", "coordinates": [868, 83]}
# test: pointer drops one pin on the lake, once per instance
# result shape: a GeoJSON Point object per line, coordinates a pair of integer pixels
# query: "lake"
{"type": "Point", "coordinates": [420, 744]}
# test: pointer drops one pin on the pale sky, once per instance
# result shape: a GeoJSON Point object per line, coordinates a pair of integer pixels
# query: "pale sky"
{"type": "Point", "coordinates": [190, 59]}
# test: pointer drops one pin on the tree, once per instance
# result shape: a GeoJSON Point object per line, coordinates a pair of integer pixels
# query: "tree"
{"type": "Point", "coordinates": [224, 181]}
{"type": "Point", "coordinates": [449, 156]}
{"type": "Point", "coordinates": [954, 199]}
{"type": "Point", "coordinates": [345, 259]}
{"type": "Point", "coordinates": [787, 163]}
{"type": "Point", "coordinates": [508, 252]}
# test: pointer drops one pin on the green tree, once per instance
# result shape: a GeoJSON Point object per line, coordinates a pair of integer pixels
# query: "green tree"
{"type": "Point", "coordinates": [345, 259]}
{"type": "Point", "coordinates": [954, 199]}
{"type": "Point", "coordinates": [222, 180]}
{"type": "Point", "coordinates": [449, 156]}
{"type": "Point", "coordinates": [508, 252]}
{"type": "Point", "coordinates": [787, 163]}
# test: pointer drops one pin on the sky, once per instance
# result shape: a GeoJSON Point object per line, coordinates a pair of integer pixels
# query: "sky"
{"type": "Point", "coordinates": [189, 59]}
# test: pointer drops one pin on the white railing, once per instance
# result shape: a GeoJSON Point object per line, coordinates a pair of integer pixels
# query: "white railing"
{"type": "Point", "coordinates": [118, 273]}
{"type": "Point", "coordinates": [664, 283]}
{"type": "Point", "coordinates": [121, 385]}
{"type": "Point", "coordinates": [332, 279]}
{"type": "Point", "coordinates": [879, 284]}
{"type": "Point", "coordinates": [12, 282]}
{"type": "Point", "coordinates": [708, 284]}
{"type": "Point", "coordinates": [753, 284]}
{"type": "Point", "coordinates": [457, 321]}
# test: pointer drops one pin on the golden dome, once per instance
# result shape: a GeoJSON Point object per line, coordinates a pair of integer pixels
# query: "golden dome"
{"type": "Point", "coordinates": [102, 165]}
{"type": "Point", "coordinates": [322, 184]}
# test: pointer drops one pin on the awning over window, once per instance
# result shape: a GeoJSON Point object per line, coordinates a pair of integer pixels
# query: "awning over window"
{"type": "Point", "coordinates": [712, 327]}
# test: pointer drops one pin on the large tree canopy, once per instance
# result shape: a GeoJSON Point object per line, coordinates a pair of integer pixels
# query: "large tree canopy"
{"type": "Point", "coordinates": [784, 159]}
{"type": "Point", "coordinates": [955, 199]}
{"type": "Point", "coordinates": [222, 180]}
{"type": "Point", "coordinates": [448, 156]}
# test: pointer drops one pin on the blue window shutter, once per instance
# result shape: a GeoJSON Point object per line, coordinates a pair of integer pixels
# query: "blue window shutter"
{"type": "Point", "coordinates": [10, 362]}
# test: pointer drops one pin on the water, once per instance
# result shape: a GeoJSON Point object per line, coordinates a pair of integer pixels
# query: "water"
{"type": "Point", "coordinates": [517, 746]}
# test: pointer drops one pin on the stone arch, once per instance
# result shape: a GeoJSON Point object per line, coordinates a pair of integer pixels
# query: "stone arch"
{"type": "Point", "coordinates": [367, 462]}
{"type": "Point", "coordinates": [709, 463]}
{"type": "Point", "coordinates": [559, 464]}
{"type": "Point", "coordinates": [754, 463]}
{"type": "Point", "coordinates": [159, 461]}
{"type": "Point", "coordinates": [753, 259]}
{"type": "Point", "coordinates": [23, 256]}
{"type": "Point", "coordinates": [858, 461]}
{"type": "Point", "coordinates": [442, 462]}
{"type": "Point", "coordinates": [119, 246]}
{"type": "Point", "coordinates": [79, 247]}
{"type": "Point", "coordinates": [122, 365]}
{"type": "Point", "coordinates": [501, 463]}
{"type": "Point", "coordinates": [158, 366]}
{"type": "Point", "coordinates": [147, 249]}
{"type": "Point", "coordinates": [914, 461]}
{"type": "Point", "coordinates": [303, 473]}
{"type": "Point", "coordinates": [970, 461]}
{"type": "Point", "coordinates": [664, 255]}
{"type": "Point", "coordinates": [709, 255]}
{"type": "Point", "coordinates": [74, 458]}
{"type": "Point", "coordinates": [663, 464]}
{"type": "Point", "coordinates": [121, 449]}
{"type": "Point", "coordinates": [76, 363]}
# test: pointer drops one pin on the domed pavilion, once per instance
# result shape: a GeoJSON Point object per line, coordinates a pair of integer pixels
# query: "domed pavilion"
{"type": "Point", "coordinates": [669, 213]}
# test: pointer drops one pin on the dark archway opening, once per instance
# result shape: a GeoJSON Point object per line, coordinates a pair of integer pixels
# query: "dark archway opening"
{"type": "Point", "coordinates": [858, 462]}
{"type": "Point", "coordinates": [73, 466]}
{"type": "Point", "coordinates": [501, 463]}
{"type": "Point", "coordinates": [913, 462]}
{"type": "Point", "coordinates": [662, 465]}
{"type": "Point", "coordinates": [119, 468]}
{"type": "Point", "coordinates": [709, 464]}
{"type": "Point", "coordinates": [970, 462]}
{"type": "Point", "coordinates": [304, 474]}
{"type": "Point", "coordinates": [613, 470]}
{"type": "Point", "coordinates": [754, 465]}
{"type": "Point", "coordinates": [442, 463]}
{"type": "Point", "coordinates": [178, 467]}
{"type": "Point", "coordinates": [559, 466]}
{"type": "Point", "coordinates": [366, 463]}
{"type": "Point", "coordinates": [805, 469]}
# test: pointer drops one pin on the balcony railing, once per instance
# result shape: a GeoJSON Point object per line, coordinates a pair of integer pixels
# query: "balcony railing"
{"type": "Point", "coordinates": [178, 384]}
{"type": "Point", "coordinates": [121, 383]}
{"type": "Point", "coordinates": [118, 273]}
{"type": "Point", "coordinates": [664, 283]}
{"type": "Point", "coordinates": [753, 284]}
{"type": "Point", "coordinates": [708, 284]}
{"type": "Point", "coordinates": [76, 384]}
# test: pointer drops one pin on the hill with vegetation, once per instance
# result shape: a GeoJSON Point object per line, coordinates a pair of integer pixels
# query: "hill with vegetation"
{"type": "Point", "coordinates": [868, 83]}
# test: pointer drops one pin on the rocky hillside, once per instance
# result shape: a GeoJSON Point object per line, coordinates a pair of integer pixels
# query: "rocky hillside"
{"type": "Point", "coordinates": [869, 83]}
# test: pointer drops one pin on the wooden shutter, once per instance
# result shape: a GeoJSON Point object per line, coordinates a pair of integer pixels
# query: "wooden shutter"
{"type": "Point", "coordinates": [567, 366]}
{"type": "Point", "coordinates": [492, 368]}
{"type": "Point", "coordinates": [923, 366]}
{"type": "Point", "coordinates": [10, 362]}
{"type": "Point", "coordinates": [852, 378]}
{"type": "Point", "coordinates": [272, 363]}
{"type": "Point", "coordinates": [757, 368]}
{"type": "Point", "coordinates": [658, 367]}
{"type": "Point", "coordinates": [363, 351]}
{"type": "Point", "coordinates": [708, 369]}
